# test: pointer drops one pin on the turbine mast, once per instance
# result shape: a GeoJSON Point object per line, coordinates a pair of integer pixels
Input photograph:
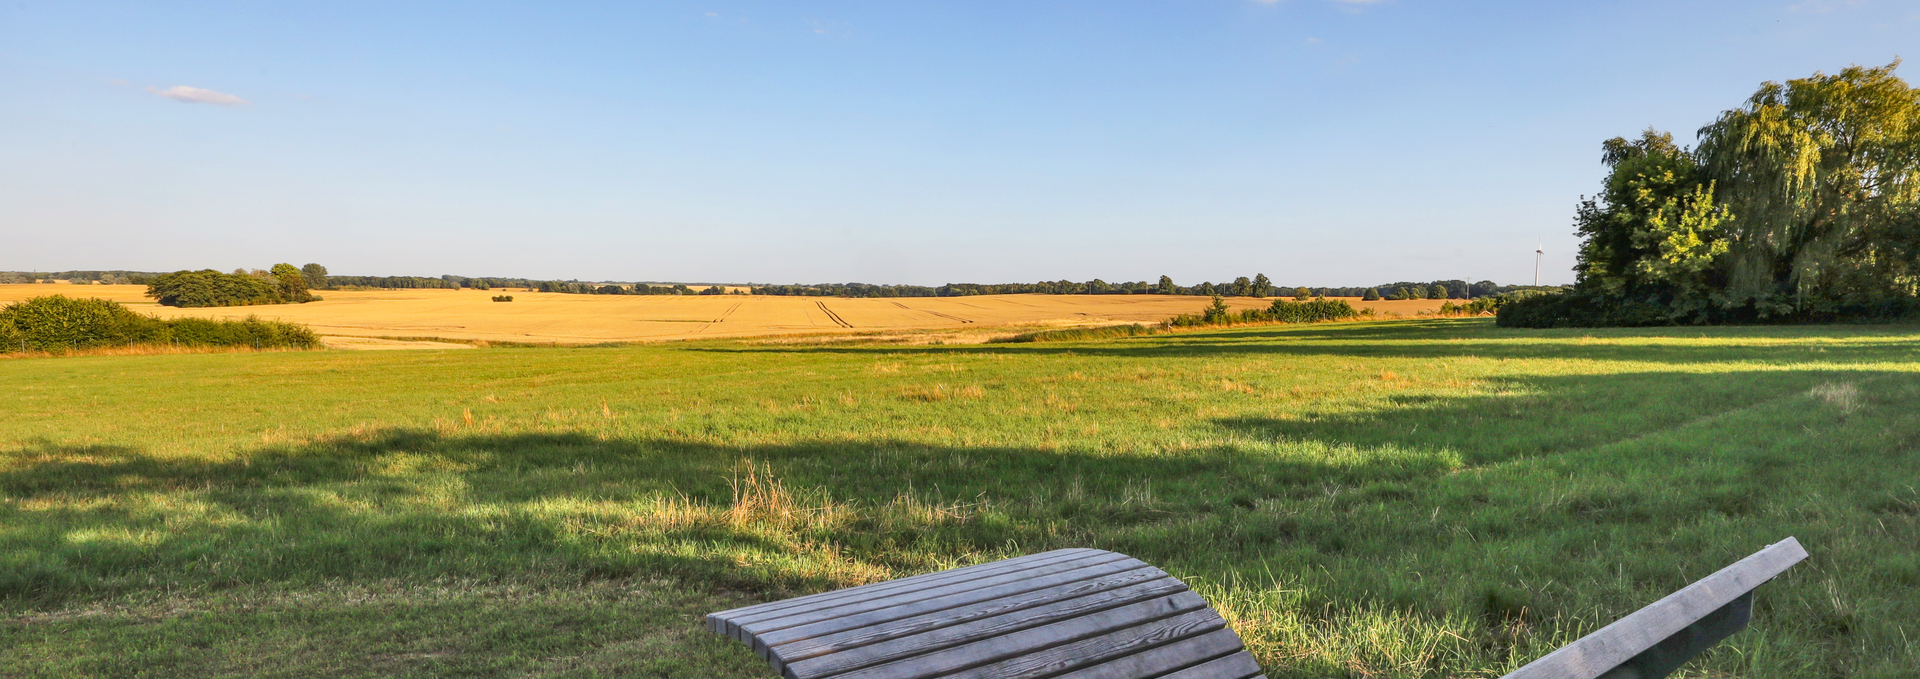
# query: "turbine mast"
{"type": "Point", "coordinates": [1538, 252]}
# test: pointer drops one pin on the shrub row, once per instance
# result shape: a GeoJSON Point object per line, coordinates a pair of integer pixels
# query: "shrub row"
{"type": "Point", "coordinates": [57, 323]}
{"type": "Point", "coordinates": [1073, 334]}
{"type": "Point", "coordinates": [1579, 309]}
{"type": "Point", "coordinates": [1282, 311]}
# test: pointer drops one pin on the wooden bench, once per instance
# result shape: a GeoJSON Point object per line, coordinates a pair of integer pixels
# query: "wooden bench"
{"type": "Point", "coordinates": [1070, 613]}
{"type": "Point", "coordinates": [1092, 614]}
{"type": "Point", "coordinates": [1651, 642]}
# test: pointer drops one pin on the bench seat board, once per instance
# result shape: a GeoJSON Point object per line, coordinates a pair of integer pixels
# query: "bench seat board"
{"type": "Point", "coordinates": [1082, 614]}
{"type": "Point", "coordinates": [1608, 648]}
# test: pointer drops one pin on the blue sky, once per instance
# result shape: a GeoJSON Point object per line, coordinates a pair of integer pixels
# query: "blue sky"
{"type": "Point", "coordinates": [1317, 141]}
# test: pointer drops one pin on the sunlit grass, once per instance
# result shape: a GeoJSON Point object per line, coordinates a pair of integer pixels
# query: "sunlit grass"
{"type": "Point", "coordinates": [1398, 499]}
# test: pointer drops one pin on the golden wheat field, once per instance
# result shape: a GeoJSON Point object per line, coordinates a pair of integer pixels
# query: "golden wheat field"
{"type": "Point", "coordinates": [586, 319]}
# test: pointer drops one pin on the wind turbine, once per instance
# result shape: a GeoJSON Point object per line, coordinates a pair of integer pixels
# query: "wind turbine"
{"type": "Point", "coordinates": [1538, 252]}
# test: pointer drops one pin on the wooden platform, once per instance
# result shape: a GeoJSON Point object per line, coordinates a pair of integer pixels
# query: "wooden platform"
{"type": "Point", "coordinates": [1070, 614]}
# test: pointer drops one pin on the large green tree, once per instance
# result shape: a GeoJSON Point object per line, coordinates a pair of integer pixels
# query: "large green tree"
{"type": "Point", "coordinates": [1653, 234]}
{"type": "Point", "coordinates": [1801, 204]}
{"type": "Point", "coordinates": [316, 276]}
{"type": "Point", "coordinates": [1822, 175]}
{"type": "Point", "coordinates": [290, 283]}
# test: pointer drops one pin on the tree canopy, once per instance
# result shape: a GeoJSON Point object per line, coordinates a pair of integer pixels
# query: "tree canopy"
{"type": "Point", "coordinates": [1803, 204]}
{"type": "Point", "coordinates": [207, 287]}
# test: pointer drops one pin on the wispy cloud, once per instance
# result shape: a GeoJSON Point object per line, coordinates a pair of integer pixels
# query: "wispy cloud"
{"type": "Point", "coordinates": [195, 95]}
{"type": "Point", "coordinates": [1821, 6]}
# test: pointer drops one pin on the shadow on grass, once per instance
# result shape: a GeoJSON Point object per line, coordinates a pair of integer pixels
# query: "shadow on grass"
{"type": "Point", "coordinates": [86, 521]}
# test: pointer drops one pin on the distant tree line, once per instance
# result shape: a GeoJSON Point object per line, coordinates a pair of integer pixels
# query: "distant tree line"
{"type": "Point", "coordinates": [1802, 205]}
{"type": "Point", "coordinates": [624, 289]}
{"type": "Point", "coordinates": [111, 277]}
{"type": "Point", "coordinates": [391, 282]}
{"type": "Point", "coordinates": [1258, 285]}
{"type": "Point", "coordinates": [57, 323]}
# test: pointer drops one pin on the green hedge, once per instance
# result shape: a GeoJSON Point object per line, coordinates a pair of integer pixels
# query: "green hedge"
{"type": "Point", "coordinates": [1282, 311]}
{"type": "Point", "coordinates": [1076, 334]}
{"type": "Point", "coordinates": [58, 323]}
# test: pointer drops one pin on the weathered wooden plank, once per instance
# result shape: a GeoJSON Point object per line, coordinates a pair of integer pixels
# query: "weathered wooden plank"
{"type": "Point", "coordinates": [954, 606]}
{"type": "Point", "coordinates": [782, 620]}
{"type": "Point", "coordinates": [735, 624]}
{"type": "Point", "coordinates": [901, 583]}
{"type": "Point", "coordinates": [859, 648]}
{"type": "Point", "coordinates": [1156, 662]}
{"type": "Point", "coordinates": [914, 582]}
{"type": "Point", "coordinates": [1237, 666]}
{"type": "Point", "coordinates": [1600, 652]}
{"type": "Point", "coordinates": [1095, 650]}
{"type": "Point", "coordinates": [958, 660]}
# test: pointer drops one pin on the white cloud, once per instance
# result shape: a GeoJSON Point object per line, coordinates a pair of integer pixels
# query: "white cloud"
{"type": "Point", "coordinates": [195, 95]}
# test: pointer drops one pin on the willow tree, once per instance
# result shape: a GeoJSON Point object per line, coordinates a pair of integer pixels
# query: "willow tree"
{"type": "Point", "coordinates": [1821, 175]}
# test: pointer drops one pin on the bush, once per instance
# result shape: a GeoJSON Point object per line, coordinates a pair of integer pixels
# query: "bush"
{"type": "Point", "coordinates": [59, 323]}
{"type": "Point", "coordinates": [1282, 311]}
{"type": "Point", "coordinates": [1373, 295]}
{"type": "Point", "coordinates": [1577, 309]}
{"type": "Point", "coordinates": [1475, 307]}
{"type": "Point", "coordinates": [503, 298]}
{"type": "Point", "coordinates": [207, 288]}
{"type": "Point", "coordinates": [1074, 334]}
{"type": "Point", "coordinates": [1309, 312]}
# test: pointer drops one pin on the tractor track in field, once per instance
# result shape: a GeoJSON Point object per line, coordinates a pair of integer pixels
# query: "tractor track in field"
{"type": "Point", "coordinates": [949, 317]}
{"type": "Point", "coordinates": [723, 317]}
{"type": "Point", "coordinates": [833, 316]}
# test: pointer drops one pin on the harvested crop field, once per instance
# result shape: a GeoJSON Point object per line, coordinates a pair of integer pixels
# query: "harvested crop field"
{"type": "Point", "coordinates": [588, 319]}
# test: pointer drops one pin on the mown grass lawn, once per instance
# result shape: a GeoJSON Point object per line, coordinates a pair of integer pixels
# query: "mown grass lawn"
{"type": "Point", "coordinates": [1385, 499]}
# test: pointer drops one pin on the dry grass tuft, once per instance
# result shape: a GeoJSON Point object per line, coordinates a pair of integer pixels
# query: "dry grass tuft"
{"type": "Point", "coordinates": [941, 392]}
{"type": "Point", "coordinates": [1843, 395]}
{"type": "Point", "coordinates": [1231, 385]}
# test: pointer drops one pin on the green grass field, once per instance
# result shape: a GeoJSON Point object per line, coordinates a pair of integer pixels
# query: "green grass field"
{"type": "Point", "coordinates": [1385, 499]}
